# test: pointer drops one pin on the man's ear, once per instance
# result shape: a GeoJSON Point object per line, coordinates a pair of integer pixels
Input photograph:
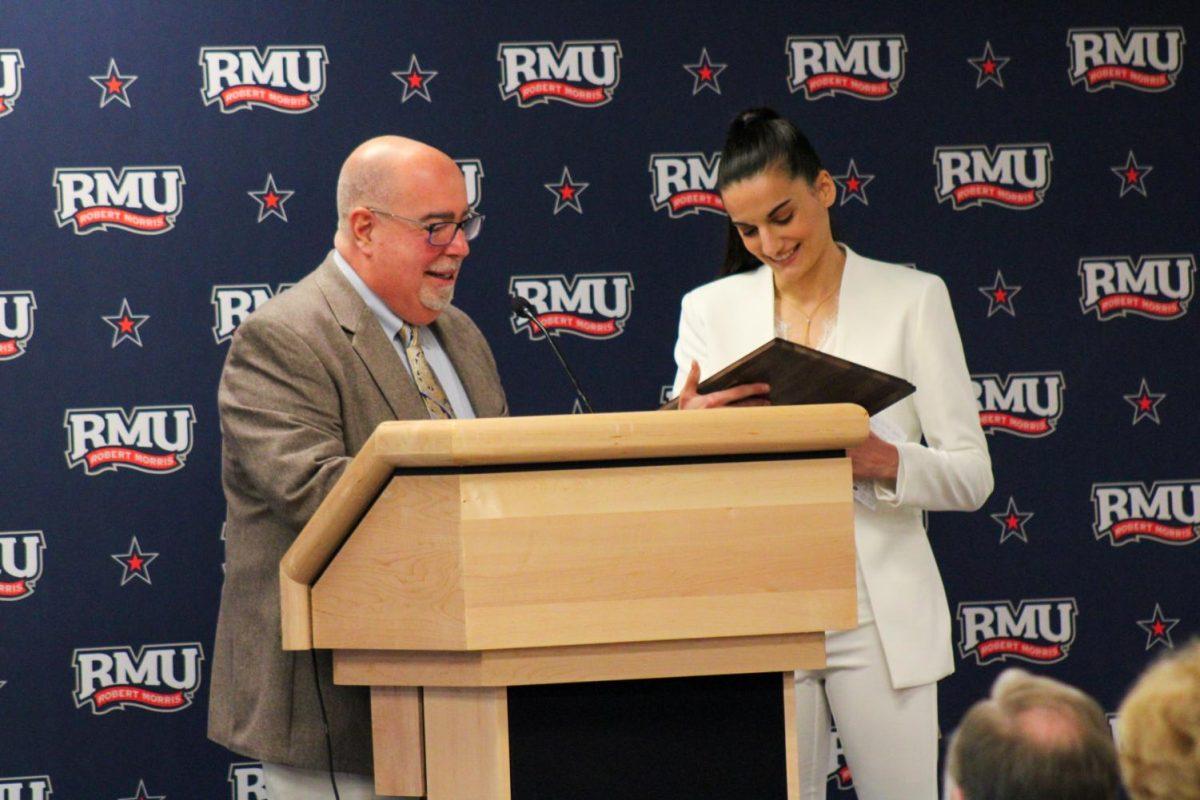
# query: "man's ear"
{"type": "Point", "coordinates": [362, 225]}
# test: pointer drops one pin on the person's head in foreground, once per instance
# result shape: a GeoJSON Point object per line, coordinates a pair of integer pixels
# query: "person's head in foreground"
{"type": "Point", "coordinates": [1033, 738]}
{"type": "Point", "coordinates": [1158, 730]}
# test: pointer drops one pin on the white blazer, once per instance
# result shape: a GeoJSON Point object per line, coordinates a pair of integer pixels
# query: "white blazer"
{"type": "Point", "coordinates": [897, 320]}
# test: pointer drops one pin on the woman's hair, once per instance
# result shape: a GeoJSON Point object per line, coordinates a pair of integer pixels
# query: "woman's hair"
{"type": "Point", "coordinates": [1158, 729]}
{"type": "Point", "coordinates": [760, 139]}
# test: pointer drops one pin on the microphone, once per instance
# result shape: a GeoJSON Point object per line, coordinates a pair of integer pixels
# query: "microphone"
{"type": "Point", "coordinates": [523, 308]}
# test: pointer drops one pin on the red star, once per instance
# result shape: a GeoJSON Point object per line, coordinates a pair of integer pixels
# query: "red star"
{"type": "Point", "coordinates": [1144, 403]}
{"type": "Point", "coordinates": [853, 184]}
{"type": "Point", "coordinates": [114, 85]}
{"type": "Point", "coordinates": [1012, 521]}
{"type": "Point", "coordinates": [706, 73]}
{"type": "Point", "coordinates": [1159, 629]}
{"type": "Point", "coordinates": [1001, 295]}
{"type": "Point", "coordinates": [415, 80]}
{"type": "Point", "coordinates": [1131, 175]}
{"type": "Point", "coordinates": [271, 199]}
{"type": "Point", "coordinates": [567, 192]}
{"type": "Point", "coordinates": [135, 562]}
{"type": "Point", "coordinates": [125, 324]}
{"type": "Point", "coordinates": [989, 66]}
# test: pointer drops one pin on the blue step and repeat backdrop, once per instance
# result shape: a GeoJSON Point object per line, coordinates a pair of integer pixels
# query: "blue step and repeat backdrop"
{"type": "Point", "coordinates": [167, 168]}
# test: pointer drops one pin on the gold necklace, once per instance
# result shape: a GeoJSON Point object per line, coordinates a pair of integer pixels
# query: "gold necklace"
{"type": "Point", "coordinates": [782, 326]}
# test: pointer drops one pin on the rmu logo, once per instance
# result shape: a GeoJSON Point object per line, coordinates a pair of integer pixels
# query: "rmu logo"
{"type": "Point", "coordinates": [472, 170]}
{"type": "Point", "coordinates": [1157, 287]}
{"type": "Point", "coordinates": [595, 305]}
{"type": "Point", "coordinates": [583, 73]}
{"type": "Point", "coordinates": [154, 439]}
{"type": "Point", "coordinates": [1039, 631]}
{"type": "Point", "coordinates": [285, 78]}
{"type": "Point", "coordinates": [16, 323]}
{"type": "Point", "coordinates": [1014, 176]}
{"type": "Point", "coordinates": [234, 302]}
{"type": "Point", "coordinates": [866, 67]}
{"type": "Point", "coordinates": [140, 200]}
{"type": "Point", "coordinates": [11, 65]}
{"type": "Point", "coordinates": [1146, 59]}
{"type": "Point", "coordinates": [1167, 512]}
{"type": "Point", "coordinates": [685, 183]}
{"type": "Point", "coordinates": [30, 787]}
{"type": "Point", "coordinates": [246, 781]}
{"type": "Point", "coordinates": [160, 677]}
{"type": "Point", "coordinates": [1026, 404]}
{"type": "Point", "coordinates": [20, 563]}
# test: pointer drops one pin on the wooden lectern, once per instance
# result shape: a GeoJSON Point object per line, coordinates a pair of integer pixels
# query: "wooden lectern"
{"type": "Point", "coordinates": [456, 558]}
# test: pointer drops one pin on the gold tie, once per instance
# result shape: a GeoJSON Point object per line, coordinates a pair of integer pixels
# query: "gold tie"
{"type": "Point", "coordinates": [431, 391]}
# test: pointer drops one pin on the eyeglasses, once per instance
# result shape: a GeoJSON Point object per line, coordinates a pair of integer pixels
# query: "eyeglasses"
{"type": "Point", "coordinates": [440, 233]}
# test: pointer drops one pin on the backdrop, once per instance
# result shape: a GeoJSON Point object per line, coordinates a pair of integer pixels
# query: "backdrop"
{"type": "Point", "coordinates": [167, 168]}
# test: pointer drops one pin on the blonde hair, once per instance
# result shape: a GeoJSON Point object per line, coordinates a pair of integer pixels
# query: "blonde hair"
{"type": "Point", "coordinates": [1158, 730]}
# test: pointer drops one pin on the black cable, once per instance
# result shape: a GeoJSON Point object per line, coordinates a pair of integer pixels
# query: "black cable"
{"type": "Point", "coordinates": [325, 724]}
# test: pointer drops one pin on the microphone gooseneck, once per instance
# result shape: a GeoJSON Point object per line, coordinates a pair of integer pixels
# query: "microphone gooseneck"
{"type": "Point", "coordinates": [523, 308]}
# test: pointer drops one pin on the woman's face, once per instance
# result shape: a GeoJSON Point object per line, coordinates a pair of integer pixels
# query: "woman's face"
{"type": "Point", "coordinates": [783, 221]}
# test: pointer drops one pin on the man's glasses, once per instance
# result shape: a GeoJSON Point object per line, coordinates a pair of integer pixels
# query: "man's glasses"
{"type": "Point", "coordinates": [440, 233]}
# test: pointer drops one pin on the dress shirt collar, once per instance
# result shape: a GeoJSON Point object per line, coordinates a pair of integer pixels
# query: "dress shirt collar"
{"type": "Point", "coordinates": [387, 318]}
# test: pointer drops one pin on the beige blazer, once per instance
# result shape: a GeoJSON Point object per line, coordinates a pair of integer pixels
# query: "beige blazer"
{"type": "Point", "coordinates": [307, 379]}
{"type": "Point", "coordinates": [897, 320]}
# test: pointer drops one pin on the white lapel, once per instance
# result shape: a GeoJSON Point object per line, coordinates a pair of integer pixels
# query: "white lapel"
{"type": "Point", "coordinates": [754, 307]}
{"type": "Point", "coordinates": [851, 302]}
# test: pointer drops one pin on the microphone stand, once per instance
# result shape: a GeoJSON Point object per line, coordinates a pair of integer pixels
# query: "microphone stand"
{"type": "Point", "coordinates": [524, 308]}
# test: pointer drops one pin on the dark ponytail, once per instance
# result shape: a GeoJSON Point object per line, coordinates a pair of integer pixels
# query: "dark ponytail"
{"type": "Point", "coordinates": [759, 139]}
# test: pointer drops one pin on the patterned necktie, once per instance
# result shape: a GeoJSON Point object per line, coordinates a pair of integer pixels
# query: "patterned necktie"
{"type": "Point", "coordinates": [431, 391]}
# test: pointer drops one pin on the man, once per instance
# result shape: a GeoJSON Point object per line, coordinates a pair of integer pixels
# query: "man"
{"type": "Point", "coordinates": [367, 337]}
{"type": "Point", "coordinates": [1158, 730]}
{"type": "Point", "coordinates": [1034, 738]}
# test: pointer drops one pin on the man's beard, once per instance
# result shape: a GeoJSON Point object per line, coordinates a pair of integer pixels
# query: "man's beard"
{"type": "Point", "coordinates": [436, 298]}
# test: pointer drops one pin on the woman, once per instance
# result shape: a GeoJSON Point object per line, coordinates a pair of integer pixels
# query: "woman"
{"type": "Point", "coordinates": [784, 275]}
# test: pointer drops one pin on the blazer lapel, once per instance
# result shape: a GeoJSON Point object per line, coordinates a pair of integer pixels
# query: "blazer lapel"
{"type": "Point", "coordinates": [473, 374]}
{"type": "Point", "coordinates": [367, 338]}
{"type": "Point", "coordinates": [752, 317]}
{"type": "Point", "coordinates": [852, 305]}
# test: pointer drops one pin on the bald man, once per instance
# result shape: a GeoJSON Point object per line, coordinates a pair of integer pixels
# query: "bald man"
{"type": "Point", "coordinates": [369, 336]}
{"type": "Point", "coordinates": [1034, 738]}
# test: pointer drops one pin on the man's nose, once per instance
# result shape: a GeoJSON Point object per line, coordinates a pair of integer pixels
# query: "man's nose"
{"type": "Point", "coordinates": [458, 245]}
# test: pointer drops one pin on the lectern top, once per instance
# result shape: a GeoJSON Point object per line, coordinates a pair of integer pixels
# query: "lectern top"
{"type": "Point", "coordinates": [628, 435]}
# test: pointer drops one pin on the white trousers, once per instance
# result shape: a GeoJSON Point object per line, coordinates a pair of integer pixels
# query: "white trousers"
{"type": "Point", "coordinates": [889, 736]}
{"type": "Point", "coordinates": [293, 783]}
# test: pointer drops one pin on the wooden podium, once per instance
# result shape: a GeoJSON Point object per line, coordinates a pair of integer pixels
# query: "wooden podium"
{"type": "Point", "coordinates": [456, 558]}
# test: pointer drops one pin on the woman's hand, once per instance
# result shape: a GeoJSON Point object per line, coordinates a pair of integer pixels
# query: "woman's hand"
{"type": "Point", "coordinates": [746, 394]}
{"type": "Point", "coordinates": [874, 459]}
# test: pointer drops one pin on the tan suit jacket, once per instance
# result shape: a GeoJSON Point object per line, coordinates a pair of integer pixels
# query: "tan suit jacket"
{"type": "Point", "coordinates": [307, 379]}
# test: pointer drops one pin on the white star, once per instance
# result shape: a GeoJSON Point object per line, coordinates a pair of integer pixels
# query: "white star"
{"type": "Point", "coordinates": [566, 192]}
{"type": "Point", "coordinates": [415, 80]}
{"type": "Point", "coordinates": [113, 85]}
{"type": "Point", "coordinates": [126, 324]}
{"type": "Point", "coordinates": [704, 74]}
{"type": "Point", "coordinates": [989, 67]}
{"type": "Point", "coordinates": [271, 199]}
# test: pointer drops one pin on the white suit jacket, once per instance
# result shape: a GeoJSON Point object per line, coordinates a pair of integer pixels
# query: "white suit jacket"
{"type": "Point", "coordinates": [897, 320]}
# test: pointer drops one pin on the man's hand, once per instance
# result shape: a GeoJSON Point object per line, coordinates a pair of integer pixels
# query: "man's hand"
{"type": "Point", "coordinates": [874, 459]}
{"type": "Point", "coordinates": [746, 394]}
